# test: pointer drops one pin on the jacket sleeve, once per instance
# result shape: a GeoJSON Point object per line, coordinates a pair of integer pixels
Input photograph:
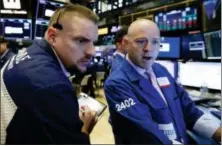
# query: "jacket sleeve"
{"type": "Point", "coordinates": [131, 117]}
{"type": "Point", "coordinates": [190, 111]}
{"type": "Point", "coordinates": [57, 109]}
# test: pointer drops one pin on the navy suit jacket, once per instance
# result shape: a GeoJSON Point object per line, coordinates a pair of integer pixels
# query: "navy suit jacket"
{"type": "Point", "coordinates": [47, 107]}
{"type": "Point", "coordinates": [4, 59]}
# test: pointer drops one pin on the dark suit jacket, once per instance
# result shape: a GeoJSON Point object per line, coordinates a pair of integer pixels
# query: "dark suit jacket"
{"type": "Point", "coordinates": [47, 107]}
{"type": "Point", "coordinates": [7, 56]}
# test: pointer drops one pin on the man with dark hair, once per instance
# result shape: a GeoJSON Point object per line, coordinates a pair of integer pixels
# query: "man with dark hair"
{"type": "Point", "coordinates": [39, 104]}
{"type": "Point", "coordinates": [4, 51]}
{"type": "Point", "coordinates": [119, 55]}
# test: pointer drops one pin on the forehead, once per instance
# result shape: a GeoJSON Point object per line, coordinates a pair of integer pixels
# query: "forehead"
{"type": "Point", "coordinates": [76, 26]}
{"type": "Point", "coordinates": [150, 31]}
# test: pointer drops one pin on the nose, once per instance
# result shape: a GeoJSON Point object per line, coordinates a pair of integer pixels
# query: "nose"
{"type": "Point", "coordinates": [146, 47]}
{"type": "Point", "coordinates": [90, 51]}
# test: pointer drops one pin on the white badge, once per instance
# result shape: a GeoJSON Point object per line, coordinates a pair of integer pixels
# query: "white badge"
{"type": "Point", "coordinates": [168, 130]}
{"type": "Point", "coordinates": [163, 81]}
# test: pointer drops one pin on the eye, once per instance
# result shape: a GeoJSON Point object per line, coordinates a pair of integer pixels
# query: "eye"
{"type": "Point", "coordinates": [141, 42]}
{"type": "Point", "coordinates": [81, 41]}
{"type": "Point", "coordinates": [155, 42]}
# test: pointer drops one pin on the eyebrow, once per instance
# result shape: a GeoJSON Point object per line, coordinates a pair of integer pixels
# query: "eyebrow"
{"type": "Point", "coordinates": [85, 38]}
{"type": "Point", "coordinates": [147, 38]}
{"type": "Point", "coordinates": [80, 37]}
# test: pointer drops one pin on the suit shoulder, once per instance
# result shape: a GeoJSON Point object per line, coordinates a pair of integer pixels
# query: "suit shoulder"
{"type": "Point", "coordinates": [117, 77]}
{"type": "Point", "coordinates": [159, 67]}
{"type": "Point", "coordinates": [34, 69]}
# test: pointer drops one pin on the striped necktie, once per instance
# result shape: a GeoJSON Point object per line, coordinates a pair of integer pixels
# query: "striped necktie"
{"type": "Point", "coordinates": [153, 80]}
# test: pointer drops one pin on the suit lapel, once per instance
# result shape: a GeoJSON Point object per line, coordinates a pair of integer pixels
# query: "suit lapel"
{"type": "Point", "coordinates": [142, 85]}
{"type": "Point", "coordinates": [168, 91]}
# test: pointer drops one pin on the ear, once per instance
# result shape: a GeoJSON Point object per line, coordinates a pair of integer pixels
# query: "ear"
{"type": "Point", "coordinates": [125, 41]}
{"type": "Point", "coordinates": [51, 35]}
{"type": "Point", "coordinates": [117, 44]}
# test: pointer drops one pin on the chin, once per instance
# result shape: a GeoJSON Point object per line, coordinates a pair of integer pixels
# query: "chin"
{"type": "Point", "coordinates": [143, 66]}
{"type": "Point", "coordinates": [82, 69]}
{"type": "Point", "coordinates": [148, 65]}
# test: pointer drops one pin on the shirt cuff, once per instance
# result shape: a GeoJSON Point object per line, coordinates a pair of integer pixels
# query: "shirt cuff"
{"type": "Point", "coordinates": [207, 125]}
{"type": "Point", "coordinates": [176, 142]}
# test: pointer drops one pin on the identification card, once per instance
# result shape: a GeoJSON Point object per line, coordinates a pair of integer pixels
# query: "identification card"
{"type": "Point", "coordinates": [163, 82]}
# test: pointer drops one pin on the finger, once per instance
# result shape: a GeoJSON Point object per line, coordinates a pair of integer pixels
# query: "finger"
{"type": "Point", "coordinates": [93, 112]}
{"type": "Point", "coordinates": [87, 113]}
{"type": "Point", "coordinates": [83, 107]}
{"type": "Point", "coordinates": [80, 114]}
{"type": "Point", "coordinates": [82, 110]}
{"type": "Point", "coordinates": [87, 108]}
{"type": "Point", "coordinates": [96, 119]}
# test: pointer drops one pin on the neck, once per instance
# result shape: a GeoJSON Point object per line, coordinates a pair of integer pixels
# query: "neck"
{"type": "Point", "coordinates": [2, 53]}
{"type": "Point", "coordinates": [121, 51]}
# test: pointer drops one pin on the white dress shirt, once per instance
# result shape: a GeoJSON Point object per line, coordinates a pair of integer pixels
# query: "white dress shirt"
{"type": "Point", "coordinates": [117, 52]}
{"type": "Point", "coordinates": [67, 74]}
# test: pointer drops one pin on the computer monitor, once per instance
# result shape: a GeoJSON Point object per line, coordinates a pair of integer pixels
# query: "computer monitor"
{"type": "Point", "coordinates": [209, 6]}
{"type": "Point", "coordinates": [193, 46]}
{"type": "Point", "coordinates": [213, 44]}
{"type": "Point", "coordinates": [169, 47]}
{"type": "Point", "coordinates": [16, 28]}
{"type": "Point", "coordinates": [178, 19]}
{"type": "Point", "coordinates": [196, 74]}
{"type": "Point", "coordinates": [120, 4]}
{"type": "Point", "coordinates": [170, 66]}
{"type": "Point", "coordinates": [46, 8]}
{"type": "Point", "coordinates": [103, 31]}
{"type": "Point", "coordinates": [108, 40]}
{"type": "Point", "coordinates": [40, 28]}
{"type": "Point", "coordinates": [98, 53]}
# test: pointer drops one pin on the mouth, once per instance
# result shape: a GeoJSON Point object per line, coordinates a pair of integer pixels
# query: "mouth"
{"type": "Point", "coordinates": [147, 57]}
{"type": "Point", "coordinates": [85, 63]}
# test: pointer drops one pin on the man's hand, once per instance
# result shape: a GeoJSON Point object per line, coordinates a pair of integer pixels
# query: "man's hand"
{"type": "Point", "coordinates": [217, 135]}
{"type": "Point", "coordinates": [89, 118]}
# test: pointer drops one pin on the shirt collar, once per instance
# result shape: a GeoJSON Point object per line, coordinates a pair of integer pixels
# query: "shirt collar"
{"type": "Point", "coordinates": [67, 74]}
{"type": "Point", "coordinates": [121, 54]}
{"type": "Point", "coordinates": [141, 71]}
{"type": "Point", "coordinates": [3, 55]}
